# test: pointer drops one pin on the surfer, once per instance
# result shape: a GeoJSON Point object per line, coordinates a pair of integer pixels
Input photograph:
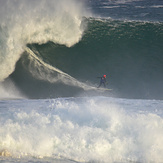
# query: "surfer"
{"type": "Point", "coordinates": [102, 81]}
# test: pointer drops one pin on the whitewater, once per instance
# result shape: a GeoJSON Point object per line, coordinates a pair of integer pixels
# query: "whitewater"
{"type": "Point", "coordinates": [98, 129]}
{"type": "Point", "coordinates": [51, 53]}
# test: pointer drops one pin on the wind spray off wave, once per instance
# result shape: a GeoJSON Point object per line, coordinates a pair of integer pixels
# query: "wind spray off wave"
{"type": "Point", "coordinates": [43, 71]}
{"type": "Point", "coordinates": [36, 22]}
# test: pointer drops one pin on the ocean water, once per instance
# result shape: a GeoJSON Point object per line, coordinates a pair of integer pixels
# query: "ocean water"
{"type": "Point", "coordinates": [51, 55]}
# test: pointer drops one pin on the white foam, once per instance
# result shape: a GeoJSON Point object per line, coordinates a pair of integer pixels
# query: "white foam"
{"type": "Point", "coordinates": [157, 6]}
{"type": "Point", "coordinates": [93, 129]}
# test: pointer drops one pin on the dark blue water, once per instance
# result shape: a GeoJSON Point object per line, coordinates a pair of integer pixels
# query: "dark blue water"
{"type": "Point", "coordinates": [130, 10]}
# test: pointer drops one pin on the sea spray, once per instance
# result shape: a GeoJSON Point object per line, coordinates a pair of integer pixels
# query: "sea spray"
{"type": "Point", "coordinates": [8, 90]}
{"type": "Point", "coordinates": [43, 71]}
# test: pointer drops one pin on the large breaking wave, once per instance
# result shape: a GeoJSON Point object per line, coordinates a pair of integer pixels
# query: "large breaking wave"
{"type": "Point", "coordinates": [61, 53]}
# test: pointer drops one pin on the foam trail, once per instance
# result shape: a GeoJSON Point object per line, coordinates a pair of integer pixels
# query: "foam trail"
{"type": "Point", "coordinates": [43, 71]}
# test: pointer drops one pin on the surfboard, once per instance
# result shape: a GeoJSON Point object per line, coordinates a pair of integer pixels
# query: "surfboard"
{"type": "Point", "coordinates": [104, 89]}
{"type": "Point", "coordinates": [100, 89]}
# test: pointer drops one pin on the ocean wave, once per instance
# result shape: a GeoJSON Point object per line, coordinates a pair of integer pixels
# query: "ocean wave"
{"type": "Point", "coordinates": [126, 51]}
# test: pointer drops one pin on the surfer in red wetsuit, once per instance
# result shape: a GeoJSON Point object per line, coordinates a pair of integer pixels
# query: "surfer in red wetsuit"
{"type": "Point", "coordinates": [102, 81]}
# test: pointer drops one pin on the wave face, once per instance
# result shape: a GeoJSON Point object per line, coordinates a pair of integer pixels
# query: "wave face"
{"type": "Point", "coordinates": [51, 49]}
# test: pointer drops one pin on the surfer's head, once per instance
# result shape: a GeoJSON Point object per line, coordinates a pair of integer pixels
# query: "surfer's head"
{"type": "Point", "coordinates": [104, 76]}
